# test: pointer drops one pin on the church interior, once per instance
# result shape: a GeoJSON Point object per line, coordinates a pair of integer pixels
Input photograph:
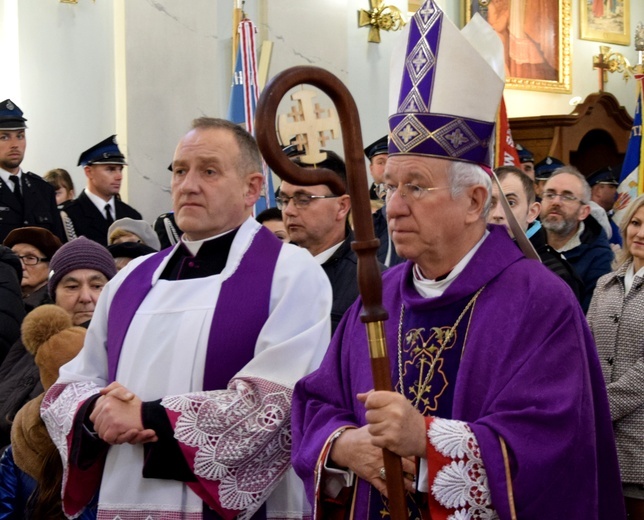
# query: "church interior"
{"type": "Point", "coordinates": [143, 69]}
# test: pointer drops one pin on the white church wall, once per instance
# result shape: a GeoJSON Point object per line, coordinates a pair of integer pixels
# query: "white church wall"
{"type": "Point", "coordinates": [65, 65]}
{"type": "Point", "coordinates": [144, 69]}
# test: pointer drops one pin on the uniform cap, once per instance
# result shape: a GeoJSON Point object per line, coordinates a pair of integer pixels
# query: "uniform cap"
{"type": "Point", "coordinates": [105, 152]}
{"type": "Point", "coordinates": [11, 116]}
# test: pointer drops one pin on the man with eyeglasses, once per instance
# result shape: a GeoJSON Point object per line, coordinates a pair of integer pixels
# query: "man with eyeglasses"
{"type": "Point", "coordinates": [518, 189]}
{"type": "Point", "coordinates": [317, 220]}
{"type": "Point", "coordinates": [572, 230]}
{"type": "Point", "coordinates": [498, 407]}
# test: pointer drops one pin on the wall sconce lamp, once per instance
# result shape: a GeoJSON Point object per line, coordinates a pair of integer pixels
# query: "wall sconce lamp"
{"type": "Point", "coordinates": [608, 61]}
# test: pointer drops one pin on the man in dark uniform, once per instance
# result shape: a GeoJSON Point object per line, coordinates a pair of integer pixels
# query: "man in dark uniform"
{"type": "Point", "coordinates": [526, 160]}
{"type": "Point", "coordinates": [603, 188]}
{"type": "Point", "coordinates": [542, 172]}
{"type": "Point", "coordinates": [99, 204]}
{"type": "Point", "coordinates": [377, 154]}
{"type": "Point", "coordinates": [25, 198]}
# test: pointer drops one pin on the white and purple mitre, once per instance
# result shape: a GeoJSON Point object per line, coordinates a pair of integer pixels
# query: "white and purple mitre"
{"type": "Point", "coordinates": [445, 94]}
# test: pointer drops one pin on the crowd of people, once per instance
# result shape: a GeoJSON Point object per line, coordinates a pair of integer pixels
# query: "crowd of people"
{"type": "Point", "coordinates": [214, 364]}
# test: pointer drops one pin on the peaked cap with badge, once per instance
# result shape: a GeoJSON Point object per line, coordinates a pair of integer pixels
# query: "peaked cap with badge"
{"type": "Point", "coordinates": [379, 147]}
{"type": "Point", "coordinates": [544, 169]}
{"type": "Point", "coordinates": [105, 152]}
{"type": "Point", "coordinates": [525, 155]}
{"type": "Point", "coordinates": [34, 202]}
{"type": "Point", "coordinates": [447, 90]}
{"type": "Point", "coordinates": [607, 175]}
{"type": "Point", "coordinates": [11, 117]}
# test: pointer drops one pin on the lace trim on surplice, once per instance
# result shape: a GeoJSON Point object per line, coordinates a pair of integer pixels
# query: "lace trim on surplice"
{"type": "Point", "coordinates": [242, 438]}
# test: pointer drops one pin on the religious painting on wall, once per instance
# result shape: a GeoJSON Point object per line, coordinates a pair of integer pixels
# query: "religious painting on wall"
{"type": "Point", "coordinates": [606, 21]}
{"type": "Point", "coordinates": [536, 38]}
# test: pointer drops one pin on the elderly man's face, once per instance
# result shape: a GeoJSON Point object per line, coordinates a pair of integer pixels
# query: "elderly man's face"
{"type": "Point", "coordinates": [562, 216]}
{"type": "Point", "coordinates": [77, 293]}
{"type": "Point", "coordinates": [209, 194]}
{"type": "Point", "coordinates": [426, 229]}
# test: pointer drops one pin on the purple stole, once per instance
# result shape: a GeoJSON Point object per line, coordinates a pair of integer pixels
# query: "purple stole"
{"type": "Point", "coordinates": [235, 324]}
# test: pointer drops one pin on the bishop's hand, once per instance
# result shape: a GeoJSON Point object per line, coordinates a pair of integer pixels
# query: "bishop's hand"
{"type": "Point", "coordinates": [355, 450]}
{"type": "Point", "coordinates": [395, 424]}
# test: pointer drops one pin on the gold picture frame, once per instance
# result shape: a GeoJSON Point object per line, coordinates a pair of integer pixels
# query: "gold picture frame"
{"type": "Point", "coordinates": [606, 21]}
{"type": "Point", "coordinates": [538, 51]}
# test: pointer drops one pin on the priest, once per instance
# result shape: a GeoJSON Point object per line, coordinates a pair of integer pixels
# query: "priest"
{"type": "Point", "coordinates": [179, 404]}
{"type": "Point", "coordinates": [499, 409]}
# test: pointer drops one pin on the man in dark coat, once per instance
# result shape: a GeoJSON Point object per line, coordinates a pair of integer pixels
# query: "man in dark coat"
{"type": "Point", "coordinates": [99, 204]}
{"type": "Point", "coordinates": [25, 198]}
{"type": "Point", "coordinates": [603, 185]}
{"type": "Point", "coordinates": [316, 219]}
{"type": "Point", "coordinates": [518, 188]}
{"type": "Point", "coordinates": [12, 311]}
{"type": "Point", "coordinates": [565, 214]}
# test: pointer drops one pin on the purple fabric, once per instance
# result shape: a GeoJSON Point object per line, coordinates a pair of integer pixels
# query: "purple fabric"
{"type": "Point", "coordinates": [428, 49]}
{"type": "Point", "coordinates": [529, 373]}
{"type": "Point", "coordinates": [241, 311]}
{"type": "Point", "coordinates": [235, 325]}
{"type": "Point", "coordinates": [443, 136]}
{"type": "Point", "coordinates": [125, 304]}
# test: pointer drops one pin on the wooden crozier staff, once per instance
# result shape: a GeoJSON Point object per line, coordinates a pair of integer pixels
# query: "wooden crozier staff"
{"type": "Point", "coordinates": [365, 245]}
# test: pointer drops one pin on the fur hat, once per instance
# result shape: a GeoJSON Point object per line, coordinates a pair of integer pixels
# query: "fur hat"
{"type": "Point", "coordinates": [48, 334]}
{"type": "Point", "coordinates": [40, 238]}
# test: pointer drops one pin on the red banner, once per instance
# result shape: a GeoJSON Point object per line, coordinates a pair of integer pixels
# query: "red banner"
{"type": "Point", "coordinates": [506, 153]}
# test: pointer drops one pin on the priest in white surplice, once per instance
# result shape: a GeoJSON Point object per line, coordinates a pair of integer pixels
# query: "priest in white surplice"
{"type": "Point", "coordinates": [178, 406]}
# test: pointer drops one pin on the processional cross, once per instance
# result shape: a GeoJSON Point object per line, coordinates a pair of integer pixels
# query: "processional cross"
{"type": "Point", "coordinates": [309, 127]}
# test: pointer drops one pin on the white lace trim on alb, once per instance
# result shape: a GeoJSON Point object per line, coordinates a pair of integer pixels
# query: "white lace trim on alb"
{"type": "Point", "coordinates": [242, 438]}
{"type": "Point", "coordinates": [462, 484]}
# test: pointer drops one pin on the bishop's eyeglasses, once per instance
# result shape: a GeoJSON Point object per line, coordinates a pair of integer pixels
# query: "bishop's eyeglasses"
{"type": "Point", "coordinates": [300, 200]}
{"type": "Point", "coordinates": [414, 191]}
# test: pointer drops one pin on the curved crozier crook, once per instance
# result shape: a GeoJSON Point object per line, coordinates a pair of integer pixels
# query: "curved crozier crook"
{"type": "Point", "coordinates": [266, 115]}
{"type": "Point", "coordinates": [369, 277]}
{"type": "Point", "coordinates": [366, 244]}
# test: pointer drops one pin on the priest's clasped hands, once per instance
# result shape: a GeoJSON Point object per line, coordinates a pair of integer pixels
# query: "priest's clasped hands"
{"type": "Point", "coordinates": [117, 417]}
